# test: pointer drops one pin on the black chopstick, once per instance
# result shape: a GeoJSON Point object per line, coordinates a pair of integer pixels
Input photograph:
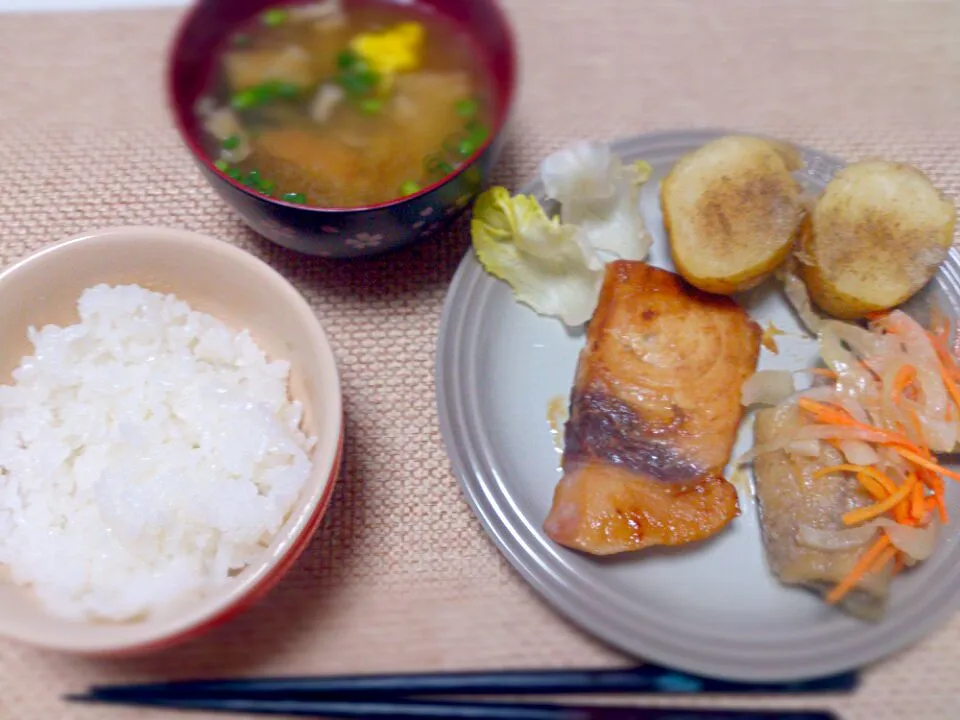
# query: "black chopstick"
{"type": "Point", "coordinates": [649, 679]}
{"type": "Point", "coordinates": [406, 709]}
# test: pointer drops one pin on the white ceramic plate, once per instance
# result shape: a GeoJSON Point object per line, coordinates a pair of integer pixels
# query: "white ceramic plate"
{"type": "Point", "coordinates": [712, 608]}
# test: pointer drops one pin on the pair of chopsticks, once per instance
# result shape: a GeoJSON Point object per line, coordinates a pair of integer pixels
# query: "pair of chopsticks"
{"type": "Point", "coordinates": [389, 697]}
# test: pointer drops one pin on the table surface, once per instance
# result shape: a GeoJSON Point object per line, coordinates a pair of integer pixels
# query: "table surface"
{"type": "Point", "coordinates": [401, 575]}
{"type": "Point", "coordinates": [85, 5]}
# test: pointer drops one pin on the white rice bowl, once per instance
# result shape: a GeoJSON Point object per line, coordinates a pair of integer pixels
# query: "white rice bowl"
{"type": "Point", "coordinates": [147, 455]}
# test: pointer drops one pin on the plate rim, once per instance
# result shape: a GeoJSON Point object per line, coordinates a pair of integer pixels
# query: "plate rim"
{"type": "Point", "coordinates": [468, 460]}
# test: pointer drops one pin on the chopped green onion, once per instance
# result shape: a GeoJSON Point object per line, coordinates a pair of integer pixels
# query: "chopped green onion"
{"type": "Point", "coordinates": [231, 143]}
{"type": "Point", "coordinates": [257, 95]}
{"type": "Point", "coordinates": [246, 99]}
{"type": "Point", "coordinates": [355, 76]}
{"type": "Point", "coordinates": [288, 91]}
{"type": "Point", "coordinates": [368, 77]}
{"type": "Point", "coordinates": [252, 179]}
{"type": "Point", "coordinates": [479, 134]}
{"type": "Point", "coordinates": [371, 106]}
{"type": "Point", "coordinates": [221, 165]}
{"type": "Point", "coordinates": [274, 17]}
{"type": "Point", "coordinates": [347, 59]}
{"type": "Point", "coordinates": [409, 187]}
{"type": "Point", "coordinates": [265, 92]}
{"type": "Point", "coordinates": [295, 198]}
{"type": "Point", "coordinates": [235, 174]}
{"type": "Point", "coordinates": [267, 187]}
{"type": "Point", "coordinates": [467, 108]}
{"type": "Point", "coordinates": [467, 147]}
{"type": "Point", "coordinates": [352, 84]}
{"type": "Point", "coordinates": [451, 145]}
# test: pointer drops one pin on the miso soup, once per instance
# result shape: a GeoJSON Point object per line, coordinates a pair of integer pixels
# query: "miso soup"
{"type": "Point", "coordinates": [337, 104]}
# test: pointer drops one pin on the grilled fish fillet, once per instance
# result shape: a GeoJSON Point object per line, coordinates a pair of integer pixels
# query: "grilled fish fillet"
{"type": "Point", "coordinates": [793, 502]}
{"type": "Point", "coordinates": [654, 413]}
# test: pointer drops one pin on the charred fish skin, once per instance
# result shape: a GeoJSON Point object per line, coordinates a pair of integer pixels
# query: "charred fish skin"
{"type": "Point", "coordinates": [654, 413]}
{"type": "Point", "coordinates": [605, 428]}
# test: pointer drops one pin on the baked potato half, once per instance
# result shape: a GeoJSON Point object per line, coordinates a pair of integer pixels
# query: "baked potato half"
{"type": "Point", "coordinates": [874, 238]}
{"type": "Point", "coordinates": [732, 210]}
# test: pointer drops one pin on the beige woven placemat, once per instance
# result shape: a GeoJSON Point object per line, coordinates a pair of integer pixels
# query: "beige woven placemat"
{"type": "Point", "coordinates": [401, 575]}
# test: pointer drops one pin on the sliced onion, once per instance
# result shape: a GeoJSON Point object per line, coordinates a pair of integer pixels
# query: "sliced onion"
{"type": "Point", "coordinates": [856, 410]}
{"type": "Point", "coordinates": [836, 432]}
{"type": "Point", "coordinates": [835, 540]}
{"type": "Point", "coordinates": [807, 433]}
{"type": "Point", "coordinates": [328, 96]}
{"type": "Point", "coordinates": [863, 343]}
{"type": "Point", "coordinates": [205, 105]}
{"type": "Point", "coordinates": [940, 435]}
{"type": "Point", "coordinates": [767, 387]}
{"type": "Point", "coordinates": [895, 361]}
{"type": "Point", "coordinates": [841, 360]}
{"type": "Point", "coordinates": [918, 543]}
{"type": "Point", "coordinates": [858, 452]}
{"type": "Point", "coordinates": [918, 348]}
{"type": "Point", "coordinates": [222, 123]}
{"type": "Point", "coordinates": [805, 448]}
{"type": "Point", "coordinates": [892, 459]}
{"type": "Point", "coordinates": [799, 299]}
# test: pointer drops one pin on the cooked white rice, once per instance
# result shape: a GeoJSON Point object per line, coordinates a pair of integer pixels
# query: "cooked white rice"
{"type": "Point", "coordinates": [147, 454]}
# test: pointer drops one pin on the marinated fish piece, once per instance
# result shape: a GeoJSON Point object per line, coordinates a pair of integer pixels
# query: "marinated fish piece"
{"type": "Point", "coordinates": [654, 413]}
{"type": "Point", "coordinates": [802, 516]}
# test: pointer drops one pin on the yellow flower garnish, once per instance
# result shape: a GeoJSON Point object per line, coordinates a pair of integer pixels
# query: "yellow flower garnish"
{"type": "Point", "coordinates": [396, 49]}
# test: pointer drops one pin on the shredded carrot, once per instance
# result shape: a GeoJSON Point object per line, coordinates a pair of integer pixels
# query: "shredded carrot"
{"type": "Point", "coordinates": [861, 569]}
{"type": "Point", "coordinates": [831, 415]}
{"type": "Point", "coordinates": [950, 384]}
{"type": "Point", "coordinates": [939, 325]}
{"type": "Point", "coordinates": [901, 512]}
{"type": "Point", "coordinates": [899, 564]}
{"type": "Point", "coordinates": [879, 315]}
{"type": "Point", "coordinates": [935, 483]}
{"type": "Point", "coordinates": [885, 483]}
{"type": "Point", "coordinates": [872, 486]}
{"type": "Point", "coordinates": [918, 508]}
{"type": "Point", "coordinates": [861, 515]}
{"type": "Point", "coordinates": [928, 464]}
{"type": "Point", "coordinates": [825, 413]}
{"type": "Point", "coordinates": [914, 422]}
{"type": "Point", "coordinates": [903, 380]}
{"type": "Point", "coordinates": [886, 556]}
{"type": "Point", "coordinates": [823, 372]}
{"type": "Point", "coordinates": [947, 358]}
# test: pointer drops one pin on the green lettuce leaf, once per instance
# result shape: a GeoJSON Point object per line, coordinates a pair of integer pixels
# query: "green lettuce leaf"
{"type": "Point", "coordinates": [548, 264]}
